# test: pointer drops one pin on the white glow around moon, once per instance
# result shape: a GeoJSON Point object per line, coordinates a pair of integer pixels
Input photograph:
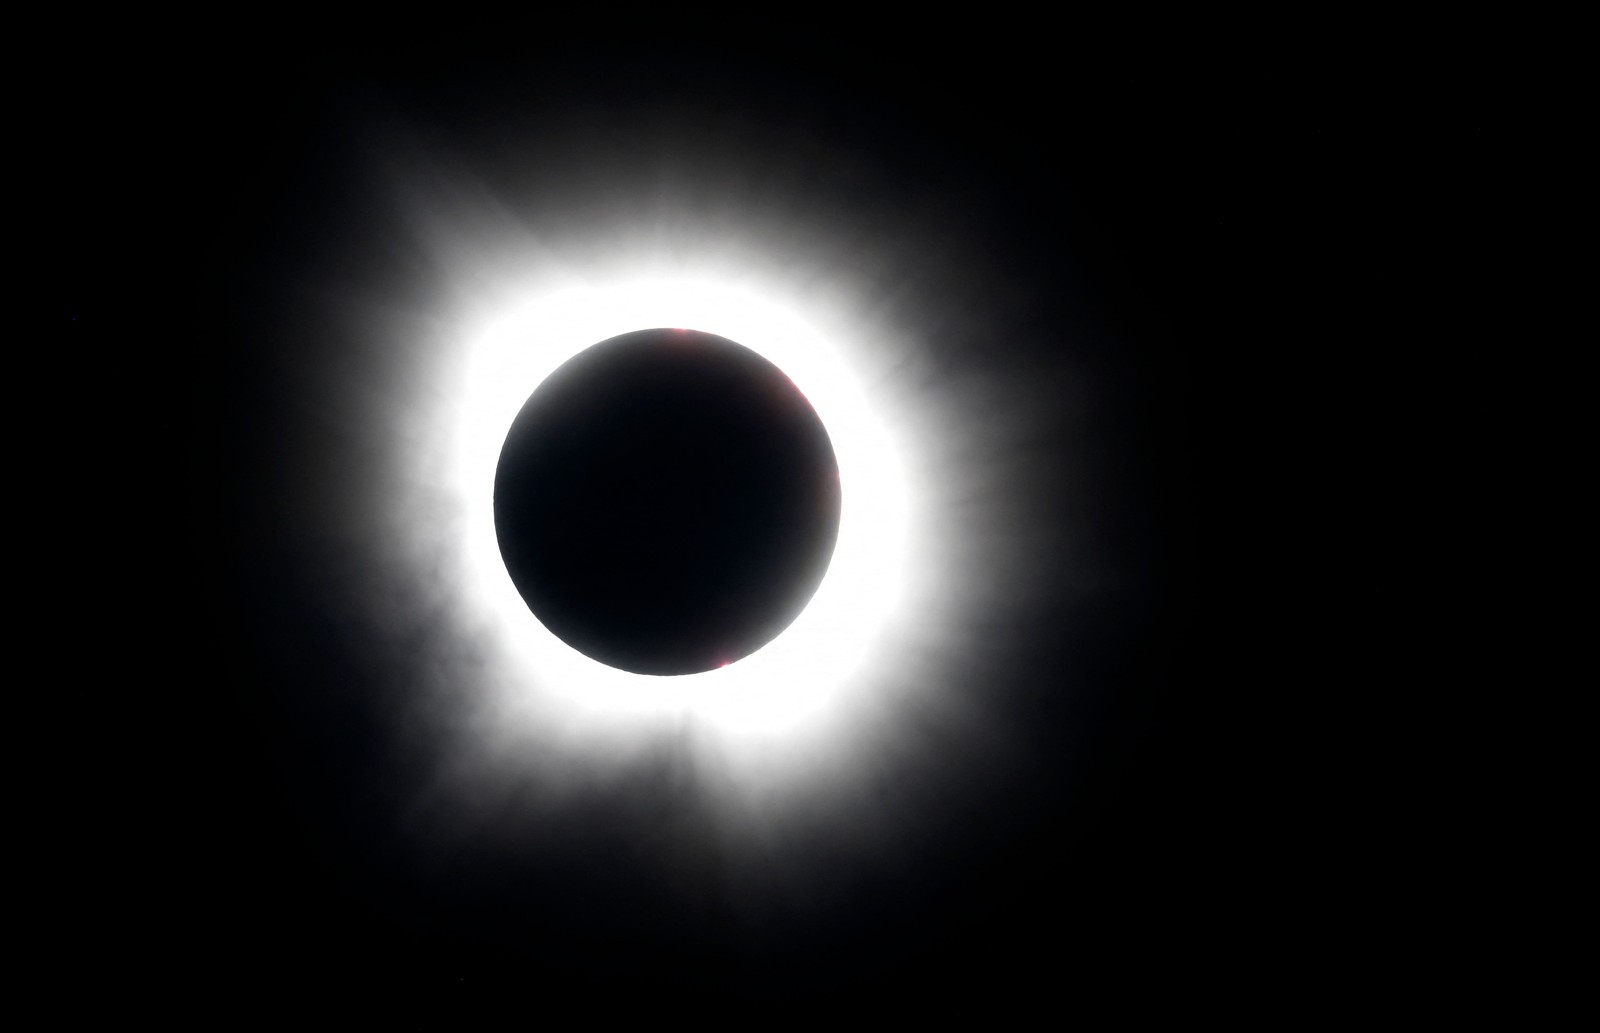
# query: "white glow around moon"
{"type": "Point", "coordinates": [889, 326]}
{"type": "Point", "coordinates": [833, 643]}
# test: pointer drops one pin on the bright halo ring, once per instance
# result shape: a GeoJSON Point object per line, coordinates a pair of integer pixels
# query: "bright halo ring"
{"type": "Point", "coordinates": [805, 669]}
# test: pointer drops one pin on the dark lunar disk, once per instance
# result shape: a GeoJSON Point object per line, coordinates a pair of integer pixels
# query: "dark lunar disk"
{"type": "Point", "coordinates": [667, 502]}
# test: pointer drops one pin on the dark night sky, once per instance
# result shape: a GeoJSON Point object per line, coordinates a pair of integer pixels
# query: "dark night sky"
{"type": "Point", "coordinates": [1231, 248]}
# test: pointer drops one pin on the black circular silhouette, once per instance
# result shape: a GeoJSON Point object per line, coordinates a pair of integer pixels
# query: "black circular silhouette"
{"type": "Point", "coordinates": [667, 502]}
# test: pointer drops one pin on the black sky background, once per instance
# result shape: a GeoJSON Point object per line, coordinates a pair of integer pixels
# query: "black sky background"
{"type": "Point", "coordinates": [1244, 234]}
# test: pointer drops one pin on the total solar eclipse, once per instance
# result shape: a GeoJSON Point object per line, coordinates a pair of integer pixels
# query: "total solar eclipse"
{"type": "Point", "coordinates": [667, 502]}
